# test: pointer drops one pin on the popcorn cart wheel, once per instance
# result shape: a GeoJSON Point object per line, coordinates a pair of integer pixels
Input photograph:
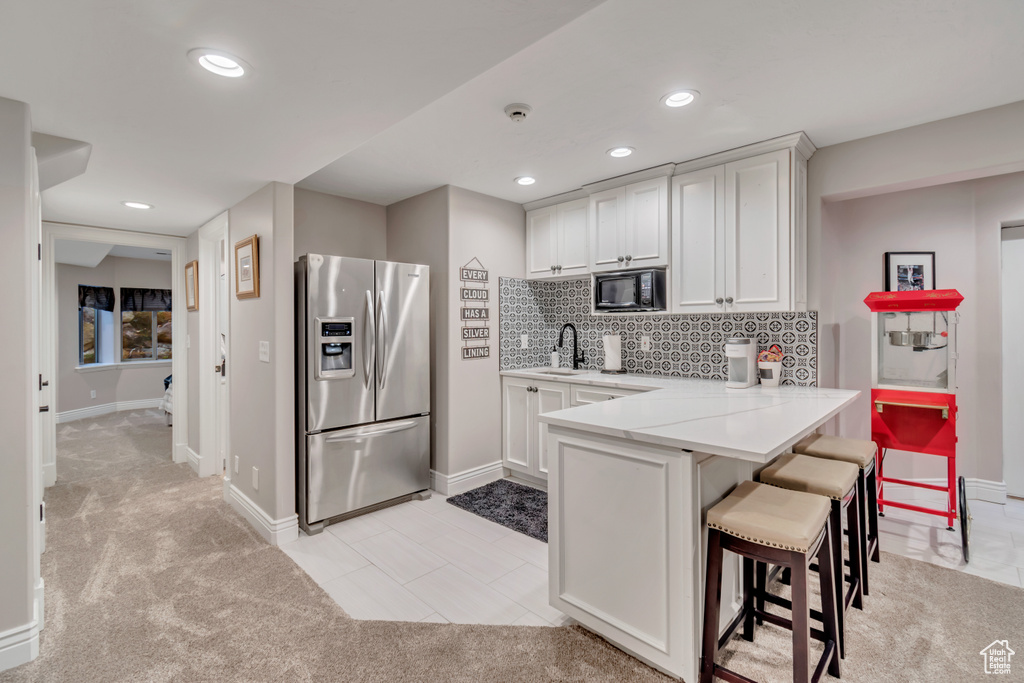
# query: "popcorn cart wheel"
{"type": "Point", "coordinates": [913, 394]}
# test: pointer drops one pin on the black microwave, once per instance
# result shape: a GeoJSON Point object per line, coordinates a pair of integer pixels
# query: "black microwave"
{"type": "Point", "coordinates": [629, 291]}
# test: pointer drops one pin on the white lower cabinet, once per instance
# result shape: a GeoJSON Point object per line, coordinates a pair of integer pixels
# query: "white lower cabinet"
{"type": "Point", "coordinates": [523, 447]}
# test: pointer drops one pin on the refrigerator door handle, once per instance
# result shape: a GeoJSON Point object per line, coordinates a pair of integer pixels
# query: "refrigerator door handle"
{"type": "Point", "coordinates": [365, 432]}
{"type": "Point", "coordinates": [382, 357]}
{"type": "Point", "coordinates": [371, 334]}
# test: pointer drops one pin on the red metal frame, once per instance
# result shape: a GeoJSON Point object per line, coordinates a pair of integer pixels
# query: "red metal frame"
{"type": "Point", "coordinates": [915, 421]}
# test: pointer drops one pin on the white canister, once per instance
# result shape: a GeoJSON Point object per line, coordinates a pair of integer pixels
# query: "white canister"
{"type": "Point", "coordinates": [770, 371]}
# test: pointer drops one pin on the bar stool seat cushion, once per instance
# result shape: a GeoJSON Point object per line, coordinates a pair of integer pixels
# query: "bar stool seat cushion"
{"type": "Point", "coordinates": [771, 516]}
{"type": "Point", "coordinates": [796, 472]}
{"type": "Point", "coordinates": [858, 451]}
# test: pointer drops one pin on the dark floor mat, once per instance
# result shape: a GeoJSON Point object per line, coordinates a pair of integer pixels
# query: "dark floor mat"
{"type": "Point", "coordinates": [509, 504]}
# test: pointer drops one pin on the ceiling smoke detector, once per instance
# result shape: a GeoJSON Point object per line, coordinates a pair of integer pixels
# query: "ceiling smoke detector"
{"type": "Point", "coordinates": [518, 112]}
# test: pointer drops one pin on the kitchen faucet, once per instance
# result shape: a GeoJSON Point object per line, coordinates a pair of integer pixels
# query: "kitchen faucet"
{"type": "Point", "coordinates": [577, 354]}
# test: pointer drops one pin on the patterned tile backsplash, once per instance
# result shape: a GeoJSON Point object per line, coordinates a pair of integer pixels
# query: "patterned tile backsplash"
{"type": "Point", "coordinates": [681, 345]}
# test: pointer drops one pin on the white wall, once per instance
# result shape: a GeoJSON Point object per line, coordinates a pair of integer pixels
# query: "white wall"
{"type": "Point", "coordinates": [1013, 359]}
{"type": "Point", "coordinates": [116, 384]}
{"type": "Point", "coordinates": [19, 561]}
{"type": "Point", "coordinates": [325, 224]}
{"type": "Point", "coordinates": [417, 232]}
{"type": "Point", "coordinates": [493, 231]}
{"type": "Point", "coordinates": [262, 394]}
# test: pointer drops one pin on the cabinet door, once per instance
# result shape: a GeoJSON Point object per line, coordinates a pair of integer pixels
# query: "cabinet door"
{"type": "Point", "coordinates": [550, 396]}
{"type": "Point", "coordinates": [698, 241]}
{"type": "Point", "coordinates": [607, 225]}
{"type": "Point", "coordinates": [541, 242]}
{"type": "Point", "coordinates": [572, 238]}
{"type": "Point", "coordinates": [646, 232]}
{"type": "Point", "coordinates": [518, 424]}
{"type": "Point", "coordinates": [757, 234]}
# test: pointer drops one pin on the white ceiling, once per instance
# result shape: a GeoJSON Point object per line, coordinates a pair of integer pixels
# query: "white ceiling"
{"type": "Point", "coordinates": [91, 254]}
{"type": "Point", "coordinates": [405, 96]}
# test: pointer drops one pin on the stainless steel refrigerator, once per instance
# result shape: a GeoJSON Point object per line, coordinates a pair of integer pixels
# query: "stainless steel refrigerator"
{"type": "Point", "coordinates": [363, 384]}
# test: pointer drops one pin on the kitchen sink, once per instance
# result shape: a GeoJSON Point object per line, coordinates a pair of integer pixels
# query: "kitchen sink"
{"type": "Point", "coordinates": [562, 371]}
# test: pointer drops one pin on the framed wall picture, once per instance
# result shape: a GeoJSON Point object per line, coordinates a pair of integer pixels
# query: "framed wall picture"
{"type": "Point", "coordinates": [247, 268]}
{"type": "Point", "coordinates": [909, 271]}
{"type": "Point", "coordinates": [192, 285]}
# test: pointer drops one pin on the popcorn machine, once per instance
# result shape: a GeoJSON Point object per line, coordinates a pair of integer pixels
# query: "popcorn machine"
{"type": "Point", "coordinates": [913, 391]}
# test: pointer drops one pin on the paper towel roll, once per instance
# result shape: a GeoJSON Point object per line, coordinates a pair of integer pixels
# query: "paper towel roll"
{"type": "Point", "coordinates": [612, 352]}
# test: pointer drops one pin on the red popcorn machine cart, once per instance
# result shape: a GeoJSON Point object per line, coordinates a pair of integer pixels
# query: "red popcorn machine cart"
{"type": "Point", "coordinates": [913, 391]}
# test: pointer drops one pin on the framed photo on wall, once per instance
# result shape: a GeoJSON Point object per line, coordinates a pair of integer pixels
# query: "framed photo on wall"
{"type": "Point", "coordinates": [192, 285]}
{"type": "Point", "coordinates": [247, 268]}
{"type": "Point", "coordinates": [909, 271]}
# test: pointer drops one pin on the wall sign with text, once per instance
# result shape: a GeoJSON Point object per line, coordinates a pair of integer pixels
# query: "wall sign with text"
{"type": "Point", "coordinates": [475, 314]}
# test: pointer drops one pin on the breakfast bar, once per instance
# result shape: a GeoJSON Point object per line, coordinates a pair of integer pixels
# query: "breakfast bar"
{"type": "Point", "coordinates": [629, 484]}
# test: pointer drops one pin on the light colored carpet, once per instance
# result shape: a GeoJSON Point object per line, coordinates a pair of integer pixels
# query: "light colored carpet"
{"type": "Point", "coordinates": [150, 576]}
{"type": "Point", "coordinates": [110, 445]}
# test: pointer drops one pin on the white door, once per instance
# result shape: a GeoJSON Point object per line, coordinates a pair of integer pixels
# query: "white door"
{"type": "Point", "coordinates": [1013, 360]}
{"type": "Point", "coordinates": [757, 249]}
{"type": "Point", "coordinates": [646, 231]}
{"type": "Point", "coordinates": [516, 422]}
{"type": "Point", "coordinates": [541, 242]}
{"type": "Point", "coordinates": [214, 276]}
{"type": "Point", "coordinates": [572, 237]}
{"type": "Point", "coordinates": [222, 327]}
{"type": "Point", "coordinates": [607, 224]}
{"type": "Point", "coordinates": [548, 397]}
{"type": "Point", "coordinates": [698, 241]}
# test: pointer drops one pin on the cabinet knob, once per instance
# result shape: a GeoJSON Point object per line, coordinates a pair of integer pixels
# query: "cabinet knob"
{"type": "Point", "coordinates": [719, 301]}
{"type": "Point", "coordinates": [621, 259]}
{"type": "Point", "coordinates": [728, 299]}
{"type": "Point", "coordinates": [628, 257]}
{"type": "Point", "coordinates": [558, 268]}
{"type": "Point", "coordinates": [552, 269]}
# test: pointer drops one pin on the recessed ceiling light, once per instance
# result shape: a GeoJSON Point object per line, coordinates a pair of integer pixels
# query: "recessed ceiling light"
{"type": "Point", "coordinates": [525, 180]}
{"type": "Point", "coordinates": [220, 63]}
{"type": "Point", "coordinates": [680, 98]}
{"type": "Point", "coordinates": [137, 205]}
{"type": "Point", "coordinates": [619, 152]}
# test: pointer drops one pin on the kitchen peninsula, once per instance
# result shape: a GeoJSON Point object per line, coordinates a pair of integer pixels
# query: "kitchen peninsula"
{"type": "Point", "coordinates": [629, 483]}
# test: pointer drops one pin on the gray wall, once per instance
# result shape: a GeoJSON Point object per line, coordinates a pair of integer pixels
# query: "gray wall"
{"type": "Point", "coordinates": [19, 561]}
{"type": "Point", "coordinates": [121, 383]}
{"type": "Point", "coordinates": [493, 231]}
{"type": "Point", "coordinates": [417, 232]}
{"type": "Point", "coordinates": [191, 254]}
{"type": "Point", "coordinates": [262, 394]}
{"type": "Point", "coordinates": [325, 224]}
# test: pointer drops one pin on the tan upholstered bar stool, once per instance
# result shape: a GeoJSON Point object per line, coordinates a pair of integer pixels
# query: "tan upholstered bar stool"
{"type": "Point", "coordinates": [786, 528]}
{"type": "Point", "coordinates": [837, 481]}
{"type": "Point", "coordinates": [861, 453]}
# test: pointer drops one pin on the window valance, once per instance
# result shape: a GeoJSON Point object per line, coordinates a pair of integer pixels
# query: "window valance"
{"type": "Point", "coordinates": [101, 298]}
{"type": "Point", "coordinates": [136, 299]}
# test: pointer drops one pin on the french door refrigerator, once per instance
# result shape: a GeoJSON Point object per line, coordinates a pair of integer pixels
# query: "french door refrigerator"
{"type": "Point", "coordinates": [363, 384]}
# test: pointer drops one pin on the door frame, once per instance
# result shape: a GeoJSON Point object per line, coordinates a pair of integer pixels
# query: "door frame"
{"type": "Point", "coordinates": [179, 325]}
{"type": "Point", "coordinates": [1012, 461]}
{"type": "Point", "coordinates": [210, 408]}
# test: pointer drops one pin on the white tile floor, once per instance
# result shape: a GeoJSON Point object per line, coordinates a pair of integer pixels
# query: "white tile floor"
{"type": "Point", "coordinates": [997, 538]}
{"type": "Point", "coordinates": [430, 561]}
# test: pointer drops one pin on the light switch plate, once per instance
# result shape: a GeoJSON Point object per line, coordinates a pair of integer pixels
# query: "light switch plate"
{"type": "Point", "coordinates": [236, 464]}
{"type": "Point", "coordinates": [265, 351]}
{"type": "Point", "coordinates": [524, 341]}
{"type": "Point", "coordinates": [256, 478]}
{"type": "Point", "coordinates": [645, 343]}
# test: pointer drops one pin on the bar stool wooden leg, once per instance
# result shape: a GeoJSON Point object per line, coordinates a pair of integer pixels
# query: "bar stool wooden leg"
{"type": "Point", "coordinates": [835, 524]}
{"type": "Point", "coordinates": [864, 513]}
{"type": "Point", "coordinates": [748, 599]}
{"type": "Point", "coordinates": [760, 587]}
{"type": "Point", "coordinates": [712, 600]}
{"type": "Point", "coordinates": [853, 515]}
{"type": "Point", "coordinates": [872, 485]}
{"type": "Point", "coordinates": [830, 609]}
{"type": "Point", "coordinates": [801, 620]}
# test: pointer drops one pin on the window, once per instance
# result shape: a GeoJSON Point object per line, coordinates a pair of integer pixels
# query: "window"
{"type": "Point", "coordinates": [145, 324]}
{"type": "Point", "coordinates": [95, 317]}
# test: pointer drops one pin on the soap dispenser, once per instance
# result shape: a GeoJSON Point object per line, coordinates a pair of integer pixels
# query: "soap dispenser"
{"type": "Point", "coordinates": [554, 357]}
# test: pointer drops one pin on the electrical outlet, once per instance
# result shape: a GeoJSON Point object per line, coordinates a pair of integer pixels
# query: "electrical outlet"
{"type": "Point", "coordinates": [645, 343]}
{"type": "Point", "coordinates": [255, 478]}
{"type": "Point", "coordinates": [265, 351]}
{"type": "Point", "coordinates": [236, 464]}
{"type": "Point", "coordinates": [524, 341]}
{"type": "Point", "coordinates": [92, 394]}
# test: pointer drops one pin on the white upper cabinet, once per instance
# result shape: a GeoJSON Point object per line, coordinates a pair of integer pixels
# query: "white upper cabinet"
{"type": "Point", "coordinates": [556, 240]}
{"type": "Point", "coordinates": [629, 226]}
{"type": "Point", "coordinates": [739, 232]}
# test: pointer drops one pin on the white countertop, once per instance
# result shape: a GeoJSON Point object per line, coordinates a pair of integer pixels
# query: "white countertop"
{"type": "Point", "coordinates": [756, 424]}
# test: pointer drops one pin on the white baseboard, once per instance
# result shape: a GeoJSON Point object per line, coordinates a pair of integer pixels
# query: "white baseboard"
{"type": "Point", "coordinates": [273, 531]}
{"type": "Point", "coordinates": [460, 482]}
{"type": "Point", "coordinates": [107, 408]}
{"type": "Point", "coordinates": [977, 489]}
{"type": "Point", "coordinates": [38, 607]}
{"type": "Point", "coordinates": [49, 474]}
{"type": "Point", "coordinates": [20, 644]}
{"type": "Point", "coordinates": [185, 454]}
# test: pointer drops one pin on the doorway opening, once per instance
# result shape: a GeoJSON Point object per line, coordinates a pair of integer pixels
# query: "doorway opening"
{"type": "Point", "coordinates": [1013, 360]}
{"type": "Point", "coordinates": [214, 364]}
